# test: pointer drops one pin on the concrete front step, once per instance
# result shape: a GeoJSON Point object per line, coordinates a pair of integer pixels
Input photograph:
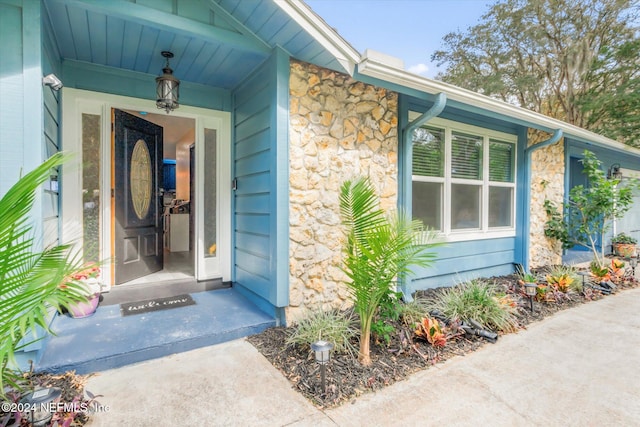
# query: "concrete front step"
{"type": "Point", "coordinates": [109, 340]}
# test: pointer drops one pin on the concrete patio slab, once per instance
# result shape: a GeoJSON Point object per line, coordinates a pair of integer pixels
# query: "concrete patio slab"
{"type": "Point", "coordinates": [579, 367]}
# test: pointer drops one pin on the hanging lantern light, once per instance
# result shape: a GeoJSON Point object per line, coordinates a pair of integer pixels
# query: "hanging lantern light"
{"type": "Point", "coordinates": [167, 87]}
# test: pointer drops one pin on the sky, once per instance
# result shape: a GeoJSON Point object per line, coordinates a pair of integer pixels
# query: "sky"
{"type": "Point", "coordinates": [407, 29]}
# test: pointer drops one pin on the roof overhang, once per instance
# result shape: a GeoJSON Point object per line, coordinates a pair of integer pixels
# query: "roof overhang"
{"type": "Point", "coordinates": [344, 53]}
{"type": "Point", "coordinates": [371, 66]}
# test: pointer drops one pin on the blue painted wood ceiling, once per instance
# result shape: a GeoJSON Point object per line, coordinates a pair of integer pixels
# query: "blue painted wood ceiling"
{"type": "Point", "coordinates": [215, 42]}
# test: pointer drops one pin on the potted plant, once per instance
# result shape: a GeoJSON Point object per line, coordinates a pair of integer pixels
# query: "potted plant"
{"type": "Point", "coordinates": [624, 245]}
{"type": "Point", "coordinates": [91, 289]}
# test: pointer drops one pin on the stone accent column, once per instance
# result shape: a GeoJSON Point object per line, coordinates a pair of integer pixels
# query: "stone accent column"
{"type": "Point", "coordinates": [547, 183]}
{"type": "Point", "coordinates": [339, 129]}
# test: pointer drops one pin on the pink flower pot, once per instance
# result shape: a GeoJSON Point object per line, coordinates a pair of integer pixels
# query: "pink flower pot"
{"type": "Point", "coordinates": [84, 309]}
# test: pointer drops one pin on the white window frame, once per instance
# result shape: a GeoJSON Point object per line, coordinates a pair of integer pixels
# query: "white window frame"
{"type": "Point", "coordinates": [484, 232]}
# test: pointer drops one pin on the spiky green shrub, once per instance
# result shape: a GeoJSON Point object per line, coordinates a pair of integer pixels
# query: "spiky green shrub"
{"type": "Point", "coordinates": [335, 326]}
{"type": "Point", "coordinates": [31, 280]}
{"type": "Point", "coordinates": [476, 300]}
{"type": "Point", "coordinates": [413, 312]}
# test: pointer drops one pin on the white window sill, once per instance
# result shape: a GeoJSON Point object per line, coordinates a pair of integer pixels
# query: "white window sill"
{"type": "Point", "coordinates": [462, 236]}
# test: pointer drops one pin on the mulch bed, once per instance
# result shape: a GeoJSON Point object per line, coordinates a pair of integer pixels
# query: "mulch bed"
{"type": "Point", "coordinates": [75, 403]}
{"type": "Point", "coordinates": [347, 378]}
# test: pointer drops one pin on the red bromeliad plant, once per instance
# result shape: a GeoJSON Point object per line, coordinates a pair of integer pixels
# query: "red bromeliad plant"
{"type": "Point", "coordinates": [601, 273]}
{"type": "Point", "coordinates": [561, 282]}
{"type": "Point", "coordinates": [430, 330]}
{"type": "Point", "coordinates": [617, 268]}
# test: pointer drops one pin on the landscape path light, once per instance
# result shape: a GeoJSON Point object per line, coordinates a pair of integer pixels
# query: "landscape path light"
{"type": "Point", "coordinates": [530, 290]}
{"type": "Point", "coordinates": [633, 263]}
{"type": "Point", "coordinates": [584, 275]}
{"type": "Point", "coordinates": [322, 350]}
{"type": "Point", "coordinates": [40, 405]}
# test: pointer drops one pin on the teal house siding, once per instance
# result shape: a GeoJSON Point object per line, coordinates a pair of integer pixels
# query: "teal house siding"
{"type": "Point", "coordinates": [21, 97]}
{"type": "Point", "coordinates": [21, 90]}
{"type": "Point", "coordinates": [51, 63]}
{"type": "Point", "coordinates": [261, 197]}
{"type": "Point", "coordinates": [461, 261]}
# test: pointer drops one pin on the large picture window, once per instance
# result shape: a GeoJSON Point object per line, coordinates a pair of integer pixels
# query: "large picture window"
{"type": "Point", "coordinates": [463, 180]}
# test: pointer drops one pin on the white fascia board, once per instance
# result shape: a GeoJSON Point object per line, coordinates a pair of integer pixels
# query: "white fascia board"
{"type": "Point", "coordinates": [404, 78]}
{"type": "Point", "coordinates": [344, 53]}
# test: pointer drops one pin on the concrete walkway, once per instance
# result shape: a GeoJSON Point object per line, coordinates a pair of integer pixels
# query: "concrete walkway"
{"type": "Point", "coordinates": [579, 367]}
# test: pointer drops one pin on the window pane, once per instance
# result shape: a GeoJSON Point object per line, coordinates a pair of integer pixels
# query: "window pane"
{"type": "Point", "coordinates": [427, 203]}
{"type": "Point", "coordinates": [91, 187]}
{"type": "Point", "coordinates": [465, 206]}
{"type": "Point", "coordinates": [210, 193]}
{"type": "Point", "coordinates": [466, 156]}
{"type": "Point", "coordinates": [428, 152]}
{"type": "Point", "coordinates": [500, 161]}
{"type": "Point", "coordinates": [500, 206]}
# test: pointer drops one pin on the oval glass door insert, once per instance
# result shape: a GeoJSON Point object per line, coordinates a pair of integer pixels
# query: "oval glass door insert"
{"type": "Point", "coordinates": [140, 179]}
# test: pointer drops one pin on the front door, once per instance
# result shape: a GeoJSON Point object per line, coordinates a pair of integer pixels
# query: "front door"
{"type": "Point", "coordinates": [136, 199]}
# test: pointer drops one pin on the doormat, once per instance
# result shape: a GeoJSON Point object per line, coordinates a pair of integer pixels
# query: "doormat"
{"type": "Point", "coordinates": [156, 304]}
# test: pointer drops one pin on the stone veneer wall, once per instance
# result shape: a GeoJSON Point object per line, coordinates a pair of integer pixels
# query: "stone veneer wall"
{"type": "Point", "coordinates": [547, 182]}
{"type": "Point", "coordinates": [339, 129]}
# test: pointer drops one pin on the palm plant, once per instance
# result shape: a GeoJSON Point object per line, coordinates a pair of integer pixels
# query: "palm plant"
{"type": "Point", "coordinates": [379, 250]}
{"type": "Point", "coordinates": [31, 281]}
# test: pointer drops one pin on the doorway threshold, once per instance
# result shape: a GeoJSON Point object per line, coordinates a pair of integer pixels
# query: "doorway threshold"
{"type": "Point", "coordinates": [131, 293]}
{"type": "Point", "coordinates": [107, 339]}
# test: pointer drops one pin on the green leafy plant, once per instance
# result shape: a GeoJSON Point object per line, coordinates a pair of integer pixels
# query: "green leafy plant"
{"type": "Point", "coordinates": [587, 215]}
{"type": "Point", "coordinates": [624, 239]}
{"type": "Point", "coordinates": [600, 272]}
{"type": "Point", "coordinates": [562, 277]}
{"type": "Point", "coordinates": [526, 277]}
{"type": "Point", "coordinates": [414, 311]}
{"type": "Point", "coordinates": [379, 250]}
{"type": "Point", "coordinates": [388, 311]}
{"type": "Point", "coordinates": [335, 326]}
{"type": "Point", "coordinates": [32, 280]}
{"type": "Point", "coordinates": [543, 294]}
{"type": "Point", "coordinates": [476, 300]}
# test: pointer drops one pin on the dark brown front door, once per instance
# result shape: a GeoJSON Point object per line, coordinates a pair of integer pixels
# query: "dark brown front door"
{"type": "Point", "coordinates": [137, 176]}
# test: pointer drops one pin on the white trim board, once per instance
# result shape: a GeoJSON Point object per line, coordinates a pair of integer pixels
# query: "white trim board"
{"type": "Point", "coordinates": [74, 103]}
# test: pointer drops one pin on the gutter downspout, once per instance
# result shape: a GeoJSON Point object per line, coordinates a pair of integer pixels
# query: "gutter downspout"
{"type": "Point", "coordinates": [526, 235]}
{"type": "Point", "coordinates": [404, 201]}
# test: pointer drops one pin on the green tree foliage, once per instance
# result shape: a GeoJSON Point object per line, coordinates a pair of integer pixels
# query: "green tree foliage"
{"type": "Point", "coordinates": [31, 281]}
{"type": "Point", "coordinates": [575, 60]}
{"type": "Point", "coordinates": [379, 249]}
{"type": "Point", "coordinates": [612, 102]}
{"type": "Point", "coordinates": [587, 215]}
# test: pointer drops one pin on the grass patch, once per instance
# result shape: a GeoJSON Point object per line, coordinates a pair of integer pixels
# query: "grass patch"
{"type": "Point", "coordinates": [477, 300]}
{"type": "Point", "coordinates": [335, 326]}
{"type": "Point", "coordinates": [413, 312]}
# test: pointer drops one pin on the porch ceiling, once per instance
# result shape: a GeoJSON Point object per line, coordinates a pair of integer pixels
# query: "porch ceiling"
{"type": "Point", "coordinates": [215, 42]}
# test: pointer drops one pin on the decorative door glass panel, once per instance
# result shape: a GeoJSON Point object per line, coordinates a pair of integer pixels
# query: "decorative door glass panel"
{"type": "Point", "coordinates": [210, 192]}
{"type": "Point", "coordinates": [91, 166]}
{"type": "Point", "coordinates": [140, 179]}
